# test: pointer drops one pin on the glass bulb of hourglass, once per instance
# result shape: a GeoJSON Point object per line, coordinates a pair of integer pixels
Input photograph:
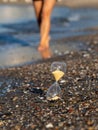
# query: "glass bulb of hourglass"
{"type": "Point", "coordinates": [58, 69]}
{"type": "Point", "coordinates": [54, 92]}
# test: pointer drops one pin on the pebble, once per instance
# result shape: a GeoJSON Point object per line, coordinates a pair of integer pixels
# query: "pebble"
{"type": "Point", "coordinates": [33, 126]}
{"type": "Point", "coordinates": [90, 122]}
{"type": "Point", "coordinates": [17, 127]}
{"type": "Point", "coordinates": [76, 110]}
{"type": "Point", "coordinates": [17, 106]}
{"type": "Point", "coordinates": [1, 123]}
{"type": "Point", "coordinates": [86, 55]}
{"type": "Point", "coordinates": [96, 109]}
{"type": "Point", "coordinates": [91, 128]}
{"type": "Point", "coordinates": [61, 124]}
{"type": "Point", "coordinates": [15, 98]}
{"type": "Point", "coordinates": [62, 81]}
{"type": "Point", "coordinates": [50, 125]}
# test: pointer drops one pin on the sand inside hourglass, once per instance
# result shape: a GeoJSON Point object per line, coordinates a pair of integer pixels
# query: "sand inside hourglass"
{"type": "Point", "coordinates": [58, 74]}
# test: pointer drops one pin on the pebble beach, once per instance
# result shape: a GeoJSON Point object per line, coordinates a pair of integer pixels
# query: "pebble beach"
{"type": "Point", "coordinates": [24, 105]}
{"type": "Point", "coordinates": [23, 88]}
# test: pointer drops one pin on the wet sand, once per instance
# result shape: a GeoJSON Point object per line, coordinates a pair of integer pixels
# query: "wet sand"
{"type": "Point", "coordinates": [23, 105]}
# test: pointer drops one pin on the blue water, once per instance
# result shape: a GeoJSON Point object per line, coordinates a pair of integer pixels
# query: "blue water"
{"type": "Point", "coordinates": [19, 33]}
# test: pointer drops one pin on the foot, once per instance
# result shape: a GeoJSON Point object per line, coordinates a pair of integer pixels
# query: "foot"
{"type": "Point", "coordinates": [44, 46]}
{"type": "Point", "coordinates": [46, 53]}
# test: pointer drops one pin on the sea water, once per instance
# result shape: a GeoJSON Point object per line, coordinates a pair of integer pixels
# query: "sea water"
{"type": "Point", "coordinates": [19, 33]}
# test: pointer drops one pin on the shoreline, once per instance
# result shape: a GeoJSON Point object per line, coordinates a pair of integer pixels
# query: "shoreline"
{"type": "Point", "coordinates": [67, 3]}
{"type": "Point", "coordinates": [79, 3]}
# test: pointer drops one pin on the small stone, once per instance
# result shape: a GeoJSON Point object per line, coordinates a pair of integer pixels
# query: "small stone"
{"type": "Point", "coordinates": [33, 126]}
{"type": "Point", "coordinates": [41, 98]}
{"type": "Point", "coordinates": [59, 53]}
{"type": "Point", "coordinates": [50, 125]}
{"type": "Point", "coordinates": [62, 81]}
{"type": "Point", "coordinates": [91, 128]}
{"type": "Point", "coordinates": [95, 42]}
{"type": "Point", "coordinates": [96, 109]}
{"type": "Point", "coordinates": [0, 108]}
{"type": "Point", "coordinates": [61, 124]}
{"type": "Point", "coordinates": [86, 55]}
{"type": "Point", "coordinates": [56, 51]}
{"type": "Point", "coordinates": [17, 127]}
{"type": "Point", "coordinates": [90, 122]}
{"type": "Point", "coordinates": [17, 106]}
{"type": "Point", "coordinates": [25, 92]}
{"type": "Point", "coordinates": [15, 98]}
{"type": "Point", "coordinates": [1, 123]}
{"type": "Point", "coordinates": [66, 52]}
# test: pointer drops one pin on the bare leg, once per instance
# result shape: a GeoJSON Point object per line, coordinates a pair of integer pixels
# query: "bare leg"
{"type": "Point", "coordinates": [38, 9]}
{"type": "Point", "coordinates": [45, 23]}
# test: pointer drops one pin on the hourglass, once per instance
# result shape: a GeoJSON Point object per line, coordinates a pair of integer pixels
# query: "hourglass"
{"type": "Point", "coordinates": [58, 70]}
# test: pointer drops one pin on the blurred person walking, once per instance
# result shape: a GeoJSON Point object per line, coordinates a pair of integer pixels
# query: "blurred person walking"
{"type": "Point", "coordinates": [43, 10]}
